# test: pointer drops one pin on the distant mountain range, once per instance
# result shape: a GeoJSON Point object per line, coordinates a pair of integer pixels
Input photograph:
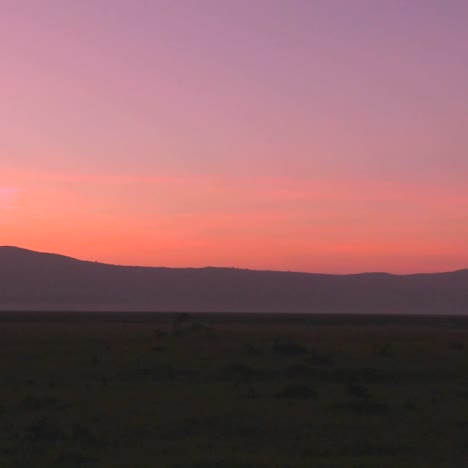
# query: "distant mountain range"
{"type": "Point", "coordinates": [41, 281]}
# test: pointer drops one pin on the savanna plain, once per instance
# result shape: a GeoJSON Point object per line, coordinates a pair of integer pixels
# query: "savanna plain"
{"type": "Point", "coordinates": [212, 390]}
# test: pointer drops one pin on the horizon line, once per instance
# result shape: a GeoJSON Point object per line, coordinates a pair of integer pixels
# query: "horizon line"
{"type": "Point", "coordinates": [14, 247]}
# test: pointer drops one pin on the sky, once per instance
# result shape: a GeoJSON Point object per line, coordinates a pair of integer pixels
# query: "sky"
{"type": "Point", "coordinates": [309, 135]}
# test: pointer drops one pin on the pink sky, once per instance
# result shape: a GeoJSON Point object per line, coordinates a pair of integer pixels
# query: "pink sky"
{"type": "Point", "coordinates": [317, 136]}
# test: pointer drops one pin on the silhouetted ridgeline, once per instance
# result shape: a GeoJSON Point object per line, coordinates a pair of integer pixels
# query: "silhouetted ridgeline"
{"type": "Point", "coordinates": [32, 280]}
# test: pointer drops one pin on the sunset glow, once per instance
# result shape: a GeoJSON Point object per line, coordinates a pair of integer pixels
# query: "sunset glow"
{"type": "Point", "coordinates": [325, 136]}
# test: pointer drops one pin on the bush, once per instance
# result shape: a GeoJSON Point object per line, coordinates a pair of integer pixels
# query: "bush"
{"type": "Point", "coordinates": [288, 349]}
{"type": "Point", "coordinates": [297, 392]}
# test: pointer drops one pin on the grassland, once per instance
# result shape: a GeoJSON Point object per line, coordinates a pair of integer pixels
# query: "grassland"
{"type": "Point", "coordinates": [207, 390]}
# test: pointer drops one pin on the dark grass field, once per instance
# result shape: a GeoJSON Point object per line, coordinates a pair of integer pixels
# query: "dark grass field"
{"type": "Point", "coordinates": [236, 390]}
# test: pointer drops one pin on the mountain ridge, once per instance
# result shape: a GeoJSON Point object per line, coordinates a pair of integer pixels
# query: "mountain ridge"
{"type": "Point", "coordinates": [37, 280]}
{"type": "Point", "coordinates": [22, 250]}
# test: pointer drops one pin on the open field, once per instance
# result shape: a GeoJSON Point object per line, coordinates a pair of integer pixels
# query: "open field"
{"type": "Point", "coordinates": [232, 390]}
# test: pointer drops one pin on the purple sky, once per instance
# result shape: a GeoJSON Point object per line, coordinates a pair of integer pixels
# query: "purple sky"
{"type": "Point", "coordinates": [312, 135]}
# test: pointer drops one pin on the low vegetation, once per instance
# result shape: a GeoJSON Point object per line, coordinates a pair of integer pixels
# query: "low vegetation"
{"type": "Point", "coordinates": [210, 390]}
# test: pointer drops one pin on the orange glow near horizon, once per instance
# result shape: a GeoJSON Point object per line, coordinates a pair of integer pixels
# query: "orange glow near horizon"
{"type": "Point", "coordinates": [265, 223]}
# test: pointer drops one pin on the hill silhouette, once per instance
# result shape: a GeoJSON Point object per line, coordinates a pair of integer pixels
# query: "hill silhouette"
{"type": "Point", "coordinates": [36, 281]}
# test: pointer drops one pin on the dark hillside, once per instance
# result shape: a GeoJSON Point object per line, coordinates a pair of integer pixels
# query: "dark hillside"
{"type": "Point", "coordinates": [32, 280]}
